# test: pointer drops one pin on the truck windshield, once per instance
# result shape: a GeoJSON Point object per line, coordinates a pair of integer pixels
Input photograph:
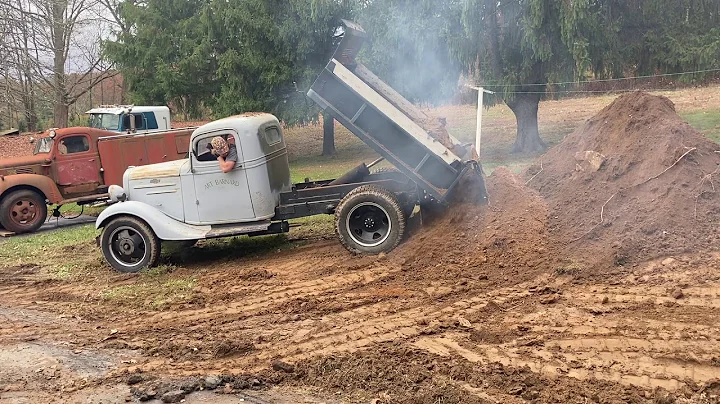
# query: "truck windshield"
{"type": "Point", "coordinates": [104, 121]}
{"type": "Point", "coordinates": [43, 145]}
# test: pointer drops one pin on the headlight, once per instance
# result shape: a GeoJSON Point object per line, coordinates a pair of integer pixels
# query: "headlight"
{"type": "Point", "coordinates": [117, 193]}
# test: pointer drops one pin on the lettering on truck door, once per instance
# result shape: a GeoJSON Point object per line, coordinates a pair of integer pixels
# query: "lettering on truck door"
{"type": "Point", "coordinates": [221, 197]}
{"type": "Point", "coordinates": [77, 163]}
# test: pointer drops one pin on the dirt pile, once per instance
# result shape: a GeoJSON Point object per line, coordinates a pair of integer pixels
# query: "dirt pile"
{"type": "Point", "coordinates": [634, 183]}
{"type": "Point", "coordinates": [16, 146]}
{"type": "Point", "coordinates": [506, 241]}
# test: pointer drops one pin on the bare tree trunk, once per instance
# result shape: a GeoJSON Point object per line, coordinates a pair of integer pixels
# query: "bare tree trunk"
{"type": "Point", "coordinates": [328, 135]}
{"type": "Point", "coordinates": [30, 113]}
{"type": "Point", "coordinates": [60, 108]}
{"type": "Point", "coordinates": [525, 108]}
{"type": "Point", "coordinates": [123, 90]}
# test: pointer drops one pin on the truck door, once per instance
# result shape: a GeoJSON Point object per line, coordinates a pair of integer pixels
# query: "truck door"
{"type": "Point", "coordinates": [77, 164]}
{"type": "Point", "coordinates": [221, 198]}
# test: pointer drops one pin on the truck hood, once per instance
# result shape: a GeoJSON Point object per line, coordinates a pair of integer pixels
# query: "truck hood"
{"type": "Point", "coordinates": [160, 170]}
{"type": "Point", "coordinates": [41, 158]}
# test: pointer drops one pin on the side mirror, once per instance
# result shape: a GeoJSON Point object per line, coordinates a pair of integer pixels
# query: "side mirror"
{"type": "Point", "coordinates": [32, 140]}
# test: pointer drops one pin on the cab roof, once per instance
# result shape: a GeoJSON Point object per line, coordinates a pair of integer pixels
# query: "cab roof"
{"type": "Point", "coordinates": [82, 130]}
{"type": "Point", "coordinates": [123, 109]}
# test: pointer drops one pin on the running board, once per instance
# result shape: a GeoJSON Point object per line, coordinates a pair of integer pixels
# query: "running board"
{"type": "Point", "coordinates": [251, 229]}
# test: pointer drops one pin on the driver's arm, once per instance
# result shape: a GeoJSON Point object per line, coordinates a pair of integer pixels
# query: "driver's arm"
{"type": "Point", "coordinates": [226, 165]}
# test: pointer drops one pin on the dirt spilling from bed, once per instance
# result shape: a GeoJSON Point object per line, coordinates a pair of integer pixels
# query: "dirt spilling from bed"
{"type": "Point", "coordinates": [503, 242]}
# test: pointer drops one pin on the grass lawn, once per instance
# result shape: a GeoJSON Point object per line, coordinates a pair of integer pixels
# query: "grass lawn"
{"type": "Point", "coordinates": [707, 122]}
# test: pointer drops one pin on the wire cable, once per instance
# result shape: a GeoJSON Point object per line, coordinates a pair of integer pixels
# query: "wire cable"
{"type": "Point", "coordinates": [604, 80]}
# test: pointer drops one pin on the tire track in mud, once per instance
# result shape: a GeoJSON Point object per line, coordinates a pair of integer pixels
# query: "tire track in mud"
{"type": "Point", "coordinates": [579, 342]}
{"type": "Point", "coordinates": [572, 321]}
{"type": "Point", "coordinates": [268, 297]}
{"type": "Point", "coordinates": [350, 330]}
{"type": "Point", "coordinates": [398, 326]}
{"type": "Point", "coordinates": [634, 369]}
{"type": "Point", "coordinates": [708, 296]}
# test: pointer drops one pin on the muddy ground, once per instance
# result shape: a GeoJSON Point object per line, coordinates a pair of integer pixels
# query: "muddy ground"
{"type": "Point", "coordinates": [524, 300]}
{"type": "Point", "coordinates": [645, 333]}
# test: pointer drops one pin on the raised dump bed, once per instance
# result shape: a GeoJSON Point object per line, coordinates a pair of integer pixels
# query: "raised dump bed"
{"type": "Point", "coordinates": [416, 144]}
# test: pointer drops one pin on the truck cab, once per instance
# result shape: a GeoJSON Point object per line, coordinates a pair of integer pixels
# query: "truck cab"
{"type": "Point", "coordinates": [195, 191]}
{"type": "Point", "coordinates": [193, 199]}
{"type": "Point", "coordinates": [129, 118]}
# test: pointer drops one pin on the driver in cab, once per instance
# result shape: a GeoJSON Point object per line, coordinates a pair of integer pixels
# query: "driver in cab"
{"type": "Point", "coordinates": [226, 153]}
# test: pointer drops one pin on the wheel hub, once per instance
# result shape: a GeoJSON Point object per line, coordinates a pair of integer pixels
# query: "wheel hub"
{"type": "Point", "coordinates": [23, 211]}
{"type": "Point", "coordinates": [369, 224]}
{"type": "Point", "coordinates": [127, 247]}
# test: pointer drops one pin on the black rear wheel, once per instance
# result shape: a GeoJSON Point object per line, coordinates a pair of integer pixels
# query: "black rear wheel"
{"type": "Point", "coordinates": [370, 220]}
{"type": "Point", "coordinates": [129, 245]}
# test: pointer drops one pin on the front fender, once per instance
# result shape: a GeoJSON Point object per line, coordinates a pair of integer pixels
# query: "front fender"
{"type": "Point", "coordinates": [45, 184]}
{"type": "Point", "coordinates": [165, 227]}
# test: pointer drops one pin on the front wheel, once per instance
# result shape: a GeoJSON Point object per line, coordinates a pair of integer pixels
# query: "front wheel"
{"type": "Point", "coordinates": [129, 245]}
{"type": "Point", "coordinates": [370, 220]}
{"type": "Point", "coordinates": [23, 211]}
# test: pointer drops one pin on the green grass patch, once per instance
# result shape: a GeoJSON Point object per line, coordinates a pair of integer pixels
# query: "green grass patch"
{"type": "Point", "coordinates": [707, 122]}
{"type": "Point", "coordinates": [65, 254]}
{"type": "Point", "coordinates": [314, 227]}
{"type": "Point", "coordinates": [73, 209]}
{"type": "Point", "coordinates": [152, 293]}
{"type": "Point", "coordinates": [41, 246]}
{"type": "Point", "coordinates": [318, 168]}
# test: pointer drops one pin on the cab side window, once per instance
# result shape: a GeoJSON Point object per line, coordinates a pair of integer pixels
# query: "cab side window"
{"type": "Point", "coordinates": [203, 149]}
{"type": "Point", "coordinates": [74, 144]}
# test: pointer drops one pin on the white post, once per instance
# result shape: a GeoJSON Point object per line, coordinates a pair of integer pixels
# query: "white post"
{"type": "Point", "coordinates": [481, 98]}
{"type": "Point", "coordinates": [478, 133]}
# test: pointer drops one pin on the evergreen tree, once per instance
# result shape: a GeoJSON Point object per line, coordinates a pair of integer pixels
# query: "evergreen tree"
{"type": "Point", "coordinates": [166, 54]}
{"type": "Point", "coordinates": [269, 51]}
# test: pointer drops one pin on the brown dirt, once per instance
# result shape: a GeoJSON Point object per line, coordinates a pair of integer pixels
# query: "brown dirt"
{"type": "Point", "coordinates": [505, 242]}
{"type": "Point", "coordinates": [641, 137]}
{"type": "Point", "coordinates": [16, 146]}
{"type": "Point", "coordinates": [397, 374]}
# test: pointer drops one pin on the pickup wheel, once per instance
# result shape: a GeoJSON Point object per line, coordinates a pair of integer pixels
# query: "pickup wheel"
{"type": "Point", "coordinates": [129, 245]}
{"type": "Point", "coordinates": [370, 220]}
{"type": "Point", "coordinates": [23, 211]}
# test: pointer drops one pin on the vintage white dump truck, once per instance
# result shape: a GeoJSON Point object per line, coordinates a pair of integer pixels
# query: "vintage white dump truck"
{"type": "Point", "coordinates": [192, 199]}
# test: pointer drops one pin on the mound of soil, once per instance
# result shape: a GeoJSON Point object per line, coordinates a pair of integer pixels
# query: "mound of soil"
{"type": "Point", "coordinates": [634, 183]}
{"type": "Point", "coordinates": [503, 242]}
{"type": "Point", "coordinates": [16, 146]}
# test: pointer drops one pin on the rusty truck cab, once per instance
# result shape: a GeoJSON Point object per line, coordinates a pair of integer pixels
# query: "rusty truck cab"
{"type": "Point", "coordinates": [74, 159]}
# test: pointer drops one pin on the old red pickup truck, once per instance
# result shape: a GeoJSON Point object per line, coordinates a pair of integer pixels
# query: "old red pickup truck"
{"type": "Point", "coordinates": [77, 165]}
